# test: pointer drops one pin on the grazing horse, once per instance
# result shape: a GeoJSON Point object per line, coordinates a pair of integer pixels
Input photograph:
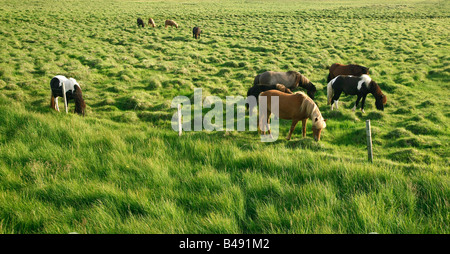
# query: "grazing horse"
{"type": "Point", "coordinates": [72, 89]}
{"type": "Point", "coordinates": [170, 23]}
{"type": "Point", "coordinates": [351, 69]}
{"type": "Point", "coordinates": [295, 107]}
{"type": "Point", "coordinates": [151, 22]}
{"type": "Point", "coordinates": [196, 32]}
{"type": "Point", "coordinates": [354, 85]}
{"type": "Point", "coordinates": [290, 79]}
{"type": "Point", "coordinates": [140, 22]}
{"type": "Point", "coordinates": [256, 90]}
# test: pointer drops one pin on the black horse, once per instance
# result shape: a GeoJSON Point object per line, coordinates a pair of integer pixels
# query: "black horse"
{"type": "Point", "coordinates": [140, 22]}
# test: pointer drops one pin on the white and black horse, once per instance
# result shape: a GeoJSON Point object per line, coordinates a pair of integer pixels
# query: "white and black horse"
{"type": "Point", "coordinates": [355, 85]}
{"type": "Point", "coordinates": [60, 84]}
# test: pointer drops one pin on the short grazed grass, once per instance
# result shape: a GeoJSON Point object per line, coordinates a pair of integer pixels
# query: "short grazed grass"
{"type": "Point", "coordinates": [122, 169]}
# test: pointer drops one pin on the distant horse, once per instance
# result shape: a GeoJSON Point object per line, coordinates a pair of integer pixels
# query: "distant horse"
{"type": "Point", "coordinates": [256, 90]}
{"type": "Point", "coordinates": [196, 32]}
{"type": "Point", "coordinates": [72, 89]}
{"type": "Point", "coordinates": [151, 22]}
{"type": "Point", "coordinates": [295, 107]}
{"type": "Point", "coordinates": [354, 85]}
{"type": "Point", "coordinates": [351, 69]}
{"type": "Point", "coordinates": [290, 79]}
{"type": "Point", "coordinates": [140, 22]}
{"type": "Point", "coordinates": [170, 23]}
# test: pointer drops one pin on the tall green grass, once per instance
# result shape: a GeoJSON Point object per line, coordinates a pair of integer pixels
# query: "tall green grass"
{"type": "Point", "coordinates": [122, 169]}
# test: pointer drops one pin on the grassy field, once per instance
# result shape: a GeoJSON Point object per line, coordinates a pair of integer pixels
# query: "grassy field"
{"type": "Point", "coordinates": [122, 169]}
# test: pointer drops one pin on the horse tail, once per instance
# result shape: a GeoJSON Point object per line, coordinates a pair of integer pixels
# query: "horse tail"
{"type": "Point", "coordinates": [80, 105]}
{"type": "Point", "coordinates": [330, 77]}
{"type": "Point", "coordinates": [256, 81]}
{"type": "Point", "coordinates": [330, 92]}
{"type": "Point", "coordinates": [282, 88]}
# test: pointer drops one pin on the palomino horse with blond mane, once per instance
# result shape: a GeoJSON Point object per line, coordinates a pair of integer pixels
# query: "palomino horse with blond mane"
{"type": "Point", "coordinates": [170, 23]}
{"type": "Point", "coordinates": [295, 107]}
{"type": "Point", "coordinates": [290, 79]}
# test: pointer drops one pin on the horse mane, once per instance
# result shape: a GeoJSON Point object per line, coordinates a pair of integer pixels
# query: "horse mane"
{"type": "Point", "coordinates": [80, 105]}
{"type": "Point", "coordinates": [308, 104]}
{"type": "Point", "coordinates": [283, 88]}
{"type": "Point", "coordinates": [311, 109]}
{"type": "Point", "coordinates": [300, 79]}
{"type": "Point", "coordinates": [376, 91]}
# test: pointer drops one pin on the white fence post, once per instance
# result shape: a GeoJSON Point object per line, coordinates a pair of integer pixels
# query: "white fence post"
{"type": "Point", "coordinates": [179, 120]}
{"type": "Point", "coordinates": [64, 95]}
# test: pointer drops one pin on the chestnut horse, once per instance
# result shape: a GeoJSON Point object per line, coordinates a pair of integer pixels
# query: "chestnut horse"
{"type": "Point", "coordinates": [170, 23]}
{"type": "Point", "coordinates": [72, 89]}
{"type": "Point", "coordinates": [151, 22]}
{"type": "Point", "coordinates": [295, 107]}
{"type": "Point", "coordinates": [290, 79]}
{"type": "Point", "coordinates": [351, 69]}
{"type": "Point", "coordinates": [354, 85]}
{"type": "Point", "coordinates": [196, 32]}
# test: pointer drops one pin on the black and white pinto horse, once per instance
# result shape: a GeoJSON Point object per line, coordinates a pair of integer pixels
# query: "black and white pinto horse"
{"type": "Point", "coordinates": [60, 84]}
{"type": "Point", "coordinates": [354, 85]}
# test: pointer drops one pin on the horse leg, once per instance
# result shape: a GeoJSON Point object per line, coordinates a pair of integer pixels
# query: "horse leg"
{"type": "Point", "coordinates": [263, 122]}
{"type": "Point", "coordinates": [304, 127]}
{"type": "Point", "coordinates": [363, 102]}
{"type": "Point", "coordinates": [52, 102]}
{"type": "Point", "coordinates": [56, 103]}
{"type": "Point", "coordinates": [357, 102]}
{"type": "Point", "coordinates": [335, 99]}
{"type": "Point", "coordinates": [294, 123]}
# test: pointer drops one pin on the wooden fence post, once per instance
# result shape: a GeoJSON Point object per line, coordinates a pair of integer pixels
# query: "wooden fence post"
{"type": "Point", "coordinates": [369, 141]}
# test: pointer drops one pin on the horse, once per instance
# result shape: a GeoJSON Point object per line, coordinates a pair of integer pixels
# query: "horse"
{"type": "Point", "coordinates": [354, 85]}
{"type": "Point", "coordinates": [295, 107]}
{"type": "Point", "coordinates": [256, 90]}
{"type": "Point", "coordinates": [151, 22]}
{"type": "Point", "coordinates": [140, 22]}
{"type": "Point", "coordinates": [196, 32]}
{"type": "Point", "coordinates": [337, 69]}
{"type": "Point", "coordinates": [72, 89]}
{"type": "Point", "coordinates": [170, 23]}
{"type": "Point", "coordinates": [290, 79]}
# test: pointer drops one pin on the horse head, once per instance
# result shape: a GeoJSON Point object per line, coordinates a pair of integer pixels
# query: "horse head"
{"type": "Point", "coordinates": [380, 101]}
{"type": "Point", "coordinates": [364, 70]}
{"type": "Point", "coordinates": [380, 98]}
{"type": "Point", "coordinates": [318, 125]}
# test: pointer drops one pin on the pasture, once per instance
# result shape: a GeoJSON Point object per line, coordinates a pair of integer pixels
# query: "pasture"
{"type": "Point", "coordinates": [122, 169]}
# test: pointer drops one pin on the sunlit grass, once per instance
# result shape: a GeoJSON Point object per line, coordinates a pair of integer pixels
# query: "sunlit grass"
{"type": "Point", "coordinates": [122, 169]}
